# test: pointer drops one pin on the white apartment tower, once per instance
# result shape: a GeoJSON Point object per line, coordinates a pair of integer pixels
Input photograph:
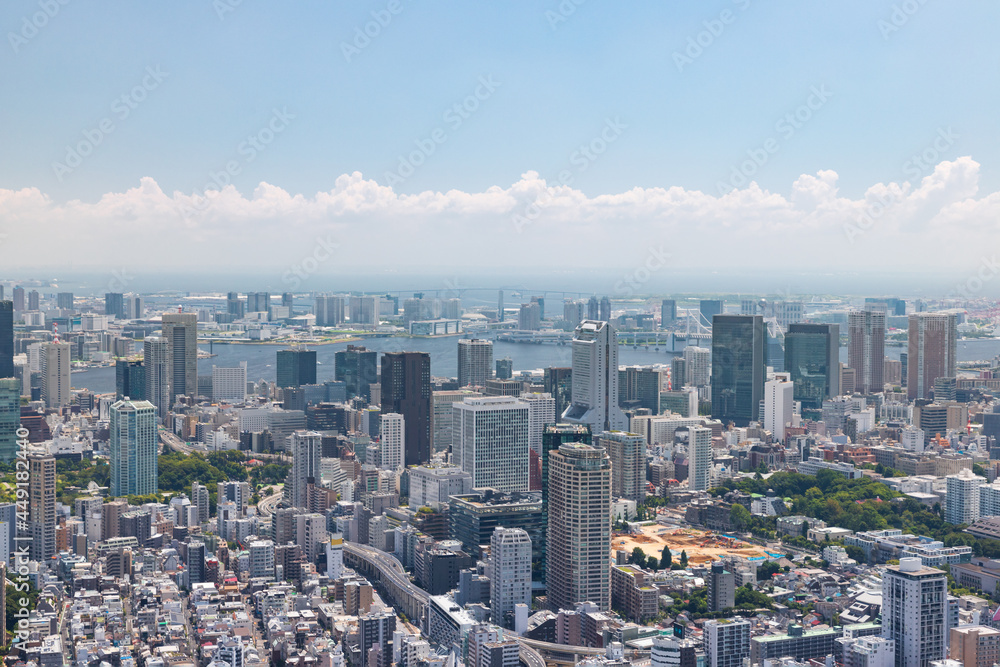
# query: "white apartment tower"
{"type": "Point", "coordinates": [393, 446]}
{"type": "Point", "coordinates": [510, 573]}
{"type": "Point", "coordinates": [541, 411]}
{"type": "Point", "coordinates": [230, 384]}
{"type": "Point", "coordinates": [307, 446]}
{"type": "Point", "coordinates": [961, 504]}
{"type": "Point", "coordinates": [914, 611]}
{"type": "Point", "coordinates": [779, 405]}
{"type": "Point", "coordinates": [699, 458]}
{"type": "Point", "coordinates": [595, 379]}
{"type": "Point", "coordinates": [490, 439]}
{"type": "Point", "coordinates": [627, 452]}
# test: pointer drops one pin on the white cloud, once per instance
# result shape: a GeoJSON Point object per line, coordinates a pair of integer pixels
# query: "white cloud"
{"type": "Point", "coordinates": [376, 227]}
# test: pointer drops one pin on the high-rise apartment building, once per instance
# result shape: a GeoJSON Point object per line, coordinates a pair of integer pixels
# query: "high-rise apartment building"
{"type": "Point", "coordinates": [604, 315]}
{"type": "Point", "coordinates": [738, 367]}
{"type": "Point", "coordinates": [975, 646]}
{"type": "Point", "coordinates": [357, 368]}
{"type": "Point", "coordinates": [509, 572]}
{"type": "Point", "coordinates": [490, 441]}
{"type": "Point", "coordinates": [258, 302]}
{"type": "Point", "coordinates": [235, 306]}
{"type": "Point", "coordinates": [181, 333]}
{"type": "Point", "coordinates": [114, 305]}
{"type": "Point", "coordinates": [595, 379]}
{"type": "Point", "coordinates": [307, 448]}
{"type": "Point", "coordinates": [914, 612]}
{"type": "Point", "coordinates": [64, 300]}
{"type": "Point", "coordinates": [230, 384]}
{"type": "Point", "coordinates": [726, 641]}
{"type": "Point", "coordinates": [721, 588]}
{"type": "Point", "coordinates": [6, 339]}
{"type": "Point", "coordinates": [156, 361]}
{"type": "Point", "coordinates": [668, 312]}
{"type": "Point", "coordinates": [541, 412]}
{"type": "Point", "coordinates": [17, 296]}
{"type": "Point", "coordinates": [42, 506]}
{"type": "Point", "coordinates": [330, 310]}
{"type": "Point", "coordinates": [779, 404]}
{"type": "Point", "coordinates": [866, 349]}
{"type": "Point", "coordinates": [697, 367]}
{"type": "Point", "coordinates": [393, 445]}
{"type": "Point", "coordinates": [55, 374]}
{"type": "Point", "coordinates": [34, 300]}
{"type": "Point", "coordinates": [133, 448]}
{"type": "Point", "coordinates": [578, 558]}
{"type": "Point", "coordinates": [296, 367]}
{"type": "Point", "coordinates": [529, 317]}
{"type": "Point", "coordinates": [639, 387]}
{"type": "Point", "coordinates": [475, 362]}
{"type": "Point", "coordinates": [10, 417]}
{"type": "Point", "coordinates": [627, 452]}
{"type": "Point", "coordinates": [572, 313]}
{"type": "Point", "coordinates": [406, 389]}
{"type": "Point", "coordinates": [699, 458]}
{"type": "Point", "coordinates": [961, 504]}
{"type": "Point", "coordinates": [364, 310]}
{"type": "Point", "coordinates": [931, 352]}
{"type": "Point", "coordinates": [812, 360]}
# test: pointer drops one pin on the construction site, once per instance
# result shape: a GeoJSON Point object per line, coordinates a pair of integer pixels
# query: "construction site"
{"type": "Point", "coordinates": [701, 546]}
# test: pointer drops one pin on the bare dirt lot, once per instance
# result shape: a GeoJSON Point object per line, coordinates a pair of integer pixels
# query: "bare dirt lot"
{"type": "Point", "coordinates": [701, 546]}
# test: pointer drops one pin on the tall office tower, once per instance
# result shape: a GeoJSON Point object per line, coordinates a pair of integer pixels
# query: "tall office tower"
{"type": "Point", "coordinates": [553, 437]}
{"type": "Point", "coordinates": [812, 360]}
{"type": "Point", "coordinates": [393, 445]}
{"type": "Point", "coordinates": [17, 296]}
{"type": "Point", "coordinates": [133, 448]}
{"type": "Point", "coordinates": [130, 379]}
{"type": "Point", "coordinates": [181, 333]}
{"type": "Point", "coordinates": [709, 308]}
{"type": "Point", "coordinates": [134, 307]}
{"type": "Point", "coordinates": [639, 387]}
{"type": "Point", "coordinates": [931, 352]}
{"type": "Point", "coordinates": [10, 417]}
{"type": "Point", "coordinates": [41, 526]}
{"type": "Point", "coordinates": [200, 499]}
{"type": "Point", "coordinates": [961, 504]}
{"type": "Point", "coordinates": [500, 305]}
{"type": "Point", "coordinates": [288, 301]}
{"type": "Point", "coordinates": [406, 389]}
{"type": "Point", "coordinates": [779, 403]}
{"type": "Point", "coordinates": [578, 549]}
{"type": "Point", "coordinates": [509, 572]}
{"type": "Point", "coordinates": [33, 300]}
{"type": "Point", "coordinates": [114, 305]}
{"type": "Point", "coordinates": [572, 313]}
{"type": "Point", "coordinates": [357, 368]}
{"type": "Point", "coordinates": [866, 349]}
{"type": "Point", "coordinates": [156, 361]}
{"type": "Point", "coordinates": [678, 373]}
{"type": "Point", "coordinates": [505, 369]}
{"type": "Point", "coordinates": [196, 553]}
{"type": "Point", "coordinates": [727, 642]}
{"type": "Point", "coordinates": [330, 310]}
{"type": "Point", "coordinates": [627, 452]}
{"type": "Point", "coordinates": [605, 312]}
{"type": "Point", "coordinates": [230, 384]}
{"type": "Point", "coordinates": [558, 382]}
{"type": "Point", "coordinates": [529, 317]}
{"type": "Point", "coordinates": [595, 379]}
{"type": "Point", "coordinates": [64, 300]}
{"type": "Point", "coordinates": [258, 302]}
{"type": "Point", "coordinates": [490, 441]}
{"type": "Point", "coordinates": [541, 412]}
{"type": "Point", "coordinates": [296, 367]}
{"type": "Point", "coordinates": [697, 367]}
{"type": "Point", "coordinates": [914, 612]}
{"type": "Point", "coordinates": [235, 306]}
{"type": "Point", "coordinates": [593, 309]}
{"type": "Point", "coordinates": [6, 339]}
{"type": "Point", "coordinates": [721, 587]}
{"type": "Point", "coordinates": [475, 362]}
{"type": "Point", "coordinates": [738, 367]}
{"type": "Point", "coordinates": [55, 374]}
{"type": "Point", "coordinates": [375, 630]}
{"type": "Point", "coordinates": [307, 447]}
{"type": "Point", "coordinates": [668, 312]}
{"type": "Point", "coordinates": [699, 458]}
{"type": "Point", "coordinates": [364, 309]}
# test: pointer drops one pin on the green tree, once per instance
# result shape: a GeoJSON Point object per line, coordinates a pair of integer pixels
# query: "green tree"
{"type": "Point", "coordinates": [652, 563]}
{"type": "Point", "coordinates": [684, 559]}
{"type": "Point", "coordinates": [666, 560]}
{"type": "Point", "coordinates": [638, 557]}
{"type": "Point", "coordinates": [740, 517]}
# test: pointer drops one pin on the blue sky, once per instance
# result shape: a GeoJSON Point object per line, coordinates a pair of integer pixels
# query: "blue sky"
{"type": "Point", "coordinates": [896, 77]}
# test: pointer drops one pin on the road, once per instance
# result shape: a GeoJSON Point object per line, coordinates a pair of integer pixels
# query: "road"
{"type": "Point", "coordinates": [266, 506]}
{"type": "Point", "coordinates": [171, 441]}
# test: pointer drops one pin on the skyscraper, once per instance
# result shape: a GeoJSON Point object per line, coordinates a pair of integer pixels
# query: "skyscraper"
{"type": "Point", "coordinates": [738, 367]}
{"type": "Point", "coordinates": [10, 417]}
{"type": "Point", "coordinates": [64, 300]}
{"type": "Point", "coordinates": [509, 572]}
{"type": "Point", "coordinates": [668, 312]}
{"type": "Point", "coordinates": [595, 379]}
{"type": "Point", "coordinates": [393, 441]}
{"type": "Point", "coordinates": [181, 333]}
{"type": "Point", "coordinates": [559, 383]}
{"type": "Point", "coordinates": [6, 339]}
{"type": "Point", "coordinates": [475, 362]}
{"type": "Point", "coordinates": [778, 405]}
{"type": "Point", "coordinates": [41, 526]}
{"type": "Point", "coordinates": [627, 452]}
{"type": "Point", "coordinates": [866, 349]}
{"type": "Point", "coordinates": [699, 458]}
{"type": "Point", "coordinates": [500, 305]}
{"type": "Point", "coordinates": [914, 611]}
{"type": "Point", "coordinates": [605, 313]}
{"type": "Point", "coordinates": [406, 389]}
{"type": "Point", "coordinates": [709, 308]}
{"type": "Point", "coordinates": [541, 412]}
{"type": "Point", "coordinates": [727, 642]}
{"type": "Point", "coordinates": [130, 379]}
{"type": "Point", "coordinates": [33, 300]}
{"type": "Point", "coordinates": [364, 310]}
{"type": "Point", "coordinates": [133, 448]}
{"type": "Point", "coordinates": [17, 296]}
{"type": "Point", "coordinates": [156, 361]}
{"type": "Point", "coordinates": [553, 437]}
{"type": "Point", "coordinates": [296, 367]}
{"type": "Point", "coordinates": [578, 552]}
{"type": "Point", "coordinates": [258, 302]}
{"type": "Point", "coordinates": [55, 374]}
{"type": "Point", "coordinates": [639, 387]}
{"type": "Point", "coordinates": [229, 383]}
{"type": "Point", "coordinates": [961, 504]}
{"type": "Point", "coordinates": [593, 309]}
{"type": "Point", "coordinates": [307, 447]}
{"type": "Point", "coordinates": [572, 313]}
{"type": "Point", "coordinates": [529, 317]}
{"type": "Point", "coordinates": [357, 368]}
{"type": "Point", "coordinates": [721, 587]}
{"type": "Point", "coordinates": [697, 367]}
{"type": "Point", "coordinates": [329, 310]}
{"type": "Point", "coordinates": [812, 360]}
{"type": "Point", "coordinates": [931, 352]}
{"type": "Point", "coordinates": [490, 441]}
